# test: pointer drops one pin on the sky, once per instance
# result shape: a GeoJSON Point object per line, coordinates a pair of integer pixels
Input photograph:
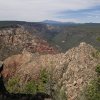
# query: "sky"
{"type": "Point", "coordinates": [81, 11]}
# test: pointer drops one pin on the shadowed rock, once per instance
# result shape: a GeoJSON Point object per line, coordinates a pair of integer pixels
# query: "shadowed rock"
{"type": "Point", "coordinates": [1, 66]}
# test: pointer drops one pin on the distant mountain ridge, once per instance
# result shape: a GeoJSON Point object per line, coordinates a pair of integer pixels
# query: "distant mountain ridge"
{"type": "Point", "coordinates": [13, 23]}
{"type": "Point", "coordinates": [52, 22]}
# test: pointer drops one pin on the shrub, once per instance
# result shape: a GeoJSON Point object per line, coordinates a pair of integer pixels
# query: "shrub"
{"type": "Point", "coordinates": [98, 69]}
{"type": "Point", "coordinates": [12, 85]}
{"type": "Point", "coordinates": [44, 77]}
{"type": "Point", "coordinates": [31, 87]}
{"type": "Point", "coordinates": [96, 54]}
{"type": "Point", "coordinates": [93, 89]}
{"type": "Point", "coordinates": [98, 38]}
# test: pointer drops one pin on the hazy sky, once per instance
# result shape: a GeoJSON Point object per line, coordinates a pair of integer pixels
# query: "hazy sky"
{"type": "Point", "coordinates": [59, 10]}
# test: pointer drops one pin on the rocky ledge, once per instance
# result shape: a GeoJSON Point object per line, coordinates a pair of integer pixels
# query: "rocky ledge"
{"type": "Point", "coordinates": [71, 71]}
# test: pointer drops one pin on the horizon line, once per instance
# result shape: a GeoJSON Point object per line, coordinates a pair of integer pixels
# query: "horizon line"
{"type": "Point", "coordinates": [47, 20]}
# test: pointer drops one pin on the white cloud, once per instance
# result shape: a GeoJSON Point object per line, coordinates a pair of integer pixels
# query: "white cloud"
{"type": "Point", "coordinates": [38, 10]}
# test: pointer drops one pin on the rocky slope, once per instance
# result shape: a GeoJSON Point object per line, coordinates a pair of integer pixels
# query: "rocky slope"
{"type": "Point", "coordinates": [70, 72]}
{"type": "Point", "coordinates": [14, 39]}
{"type": "Point", "coordinates": [62, 36]}
{"type": "Point", "coordinates": [76, 70]}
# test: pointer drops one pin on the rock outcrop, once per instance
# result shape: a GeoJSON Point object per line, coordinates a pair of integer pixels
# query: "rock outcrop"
{"type": "Point", "coordinates": [13, 40]}
{"type": "Point", "coordinates": [71, 71]}
{"type": "Point", "coordinates": [76, 70]}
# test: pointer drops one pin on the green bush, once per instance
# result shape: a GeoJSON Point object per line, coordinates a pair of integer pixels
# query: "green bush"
{"type": "Point", "coordinates": [37, 86]}
{"type": "Point", "coordinates": [31, 87]}
{"type": "Point", "coordinates": [96, 54]}
{"type": "Point", "coordinates": [12, 85]}
{"type": "Point", "coordinates": [98, 38]}
{"type": "Point", "coordinates": [93, 89]}
{"type": "Point", "coordinates": [44, 77]}
{"type": "Point", "coordinates": [98, 69]}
